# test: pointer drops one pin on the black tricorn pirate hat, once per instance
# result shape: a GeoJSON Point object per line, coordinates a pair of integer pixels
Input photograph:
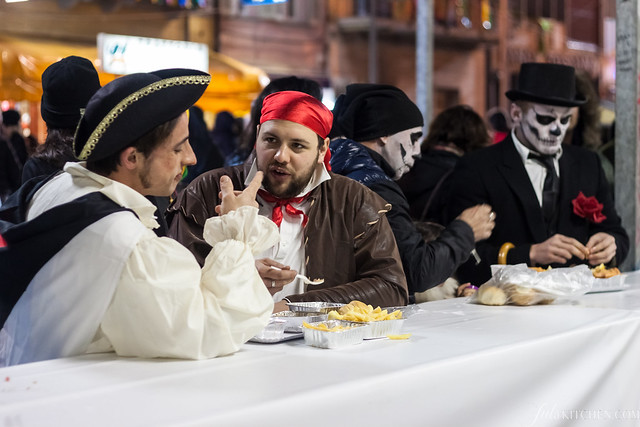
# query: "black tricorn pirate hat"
{"type": "Point", "coordinates": [129, 107]}
{"type": "Point", "coordinates": [551, 84]}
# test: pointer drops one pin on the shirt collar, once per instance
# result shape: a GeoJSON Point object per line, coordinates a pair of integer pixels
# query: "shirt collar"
{"type": "Point", "coordinates": [120, 193]}
{"type": "Point", "coordinates": [524, 151]}
{"type": "Point", "coordinates": [320, 175]}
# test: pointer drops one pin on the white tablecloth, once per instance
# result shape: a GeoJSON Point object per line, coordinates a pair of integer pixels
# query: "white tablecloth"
{"type": "Point", "coordinates": [570, 363]}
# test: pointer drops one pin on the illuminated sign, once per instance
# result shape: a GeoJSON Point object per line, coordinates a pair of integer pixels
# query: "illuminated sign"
{"type": "Point", "coordinates": [127, 54]}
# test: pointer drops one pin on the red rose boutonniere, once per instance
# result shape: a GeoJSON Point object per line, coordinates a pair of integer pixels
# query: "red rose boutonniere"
{"type": "Point", "coordinates": [588, 208]}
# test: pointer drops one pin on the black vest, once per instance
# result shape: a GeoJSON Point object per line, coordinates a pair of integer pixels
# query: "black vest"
{"type": "Point", "coordinates": [31, 244]}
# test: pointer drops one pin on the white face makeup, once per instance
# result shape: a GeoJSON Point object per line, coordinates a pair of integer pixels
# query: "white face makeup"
{"type": "Point", "coordinates": [400, 148]}
{"type": "Point", "coordinates": [544, 126]}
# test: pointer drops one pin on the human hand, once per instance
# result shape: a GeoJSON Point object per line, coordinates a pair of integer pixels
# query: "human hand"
{"type": "Point", "coordinates": [274, 279]}
{"type": "Point", "coordinates": [602, 248]}
{"type": "Point", "coordinates": [280, 306]}
{"type": "Point", "coordinates": [481, 219]}
{"type": "Point", "coordinates": [466, 290]}
{"type": "Point", "coordinates": [232, 200]}
{"type": "Point", "coordinates": [557, 249]}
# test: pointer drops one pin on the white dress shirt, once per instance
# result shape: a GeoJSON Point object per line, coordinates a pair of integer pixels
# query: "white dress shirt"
{"type": "Point", "coordinates": [537, 172]}
{"type": "Point", "coordinates": [290, 249]}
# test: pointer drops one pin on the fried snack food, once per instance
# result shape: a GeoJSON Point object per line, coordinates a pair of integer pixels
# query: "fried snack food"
{"type": "Point", "coordinates": [357, 311]}
{"type": "Point", "coordinates": [324, 327]}
{"type": "Point", "coordinates": [601, 272]}
{"type": "Point", "coordinates": [540, 269]}
{"type": "Point", "coordinates": [491, 295]}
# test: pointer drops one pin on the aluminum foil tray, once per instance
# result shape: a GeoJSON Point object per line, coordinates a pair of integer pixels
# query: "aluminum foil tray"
{"type": "Point", "coordinates": [314, 306]}
{"type": "Point", "coordinates": [615, 283]}
{"type": "Point", "coordinates": [293, 320]}
{"type": "Point", "coordinates": [336, 339]}
{"type": "Point", "coordinates": [382, 328]}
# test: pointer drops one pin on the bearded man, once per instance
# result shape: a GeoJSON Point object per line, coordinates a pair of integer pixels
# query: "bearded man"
{"type": "Point", "coordinates": [552, 201]}
{"type": "Point", "coordinates": [330, 227]}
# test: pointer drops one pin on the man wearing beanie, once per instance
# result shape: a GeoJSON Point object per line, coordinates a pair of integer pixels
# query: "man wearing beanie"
{"type": "Point", "coordinates": [86, 271]}
{"type": "Point", "coordinates": [382, 128]}
{"type": "Point", "coordinates": [552, 202]}
{"type": "Point", "coordinates": [330, 227]}
{"type": "Point", "coordinates": [67, 86]}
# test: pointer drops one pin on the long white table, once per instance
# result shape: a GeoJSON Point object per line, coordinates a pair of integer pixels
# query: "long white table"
{"type": "Point", "coordinates": [570, 363]}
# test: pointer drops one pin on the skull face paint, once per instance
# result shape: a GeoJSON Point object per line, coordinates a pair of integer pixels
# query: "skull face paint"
{"type": "Point", "coordinates": [544, 126]}
{"type": "Point", "coordinates": [400, 149]}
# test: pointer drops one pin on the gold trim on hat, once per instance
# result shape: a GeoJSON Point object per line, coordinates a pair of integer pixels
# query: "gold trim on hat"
{"type": "Point", "coordinates": [104, 124]}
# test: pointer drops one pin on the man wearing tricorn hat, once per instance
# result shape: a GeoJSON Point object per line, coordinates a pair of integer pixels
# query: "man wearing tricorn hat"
{"type": "Point", "coordinates": [96, 277]}
{"type": "Point", "coordinates": [552, 202]}
{"type": "Point", "coordinates": [331, 227]}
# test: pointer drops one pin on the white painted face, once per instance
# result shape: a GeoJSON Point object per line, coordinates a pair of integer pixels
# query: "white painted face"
{"type": "Point", "coordinates": [544, 126]}
{"type": "Point", "coordinates": [400, 149]}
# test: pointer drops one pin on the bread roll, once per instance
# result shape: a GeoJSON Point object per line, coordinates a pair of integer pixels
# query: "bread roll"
{"type": "Point", "coordinates": [491, 295]}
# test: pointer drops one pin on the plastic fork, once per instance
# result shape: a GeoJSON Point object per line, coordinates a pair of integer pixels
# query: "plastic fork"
{"type": "Point", "coordinates": [302, 277]}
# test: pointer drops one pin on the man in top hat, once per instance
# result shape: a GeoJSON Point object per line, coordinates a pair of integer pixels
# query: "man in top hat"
{"type": "Point", "coordinates": [331, 227]}
{"type": "Point", "coordinates": [67, 86]}
{"type": "Point", "coordinates": [552, 202]}
{"type": "Point", "coordinates": [383, 130]}
{"type": "Point", "coordinates": [87, 272]}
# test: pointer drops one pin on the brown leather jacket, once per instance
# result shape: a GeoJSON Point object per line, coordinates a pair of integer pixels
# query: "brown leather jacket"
{"type": "Point", "coordinates": [348, 240]}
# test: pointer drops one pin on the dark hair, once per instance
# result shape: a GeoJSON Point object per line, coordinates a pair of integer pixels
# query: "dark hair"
{"type": "Point", "coordinates": [459, 125]}
{"type": "Point", "coordinates": [145, 145]}
{"type": "Point", "coordinates": [305, 85]}
{"type": "Point", "coordinates": [587, 131]}
{"type": "Point", "coordinates": [57, 148]}
{"type": "Point", "coordinates": [498, 121]}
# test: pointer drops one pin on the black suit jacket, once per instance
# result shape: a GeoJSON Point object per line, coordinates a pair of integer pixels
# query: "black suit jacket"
{"type": "Point", "coordinates": [496, 175]}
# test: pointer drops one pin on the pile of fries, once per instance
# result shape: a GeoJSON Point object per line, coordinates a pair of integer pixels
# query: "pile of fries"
{"type": "Point", "coordinates": [600, 272]}
{"type": "Point", "coordinates": [324, 327]}
{"type": "Point", "coordinates": [357, 311]}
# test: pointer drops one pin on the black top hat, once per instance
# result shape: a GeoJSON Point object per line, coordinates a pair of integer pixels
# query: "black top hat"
{"type": "Point", "coordinates": [129, 107]}
{"type": "Point", "coordinates": [67, 86]}
{"type": "Point", "coordinates": [551, 84]}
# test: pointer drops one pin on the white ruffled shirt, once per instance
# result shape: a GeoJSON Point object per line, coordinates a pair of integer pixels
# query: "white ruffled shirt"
{"type": "Point", "coordinates": [116, 286]}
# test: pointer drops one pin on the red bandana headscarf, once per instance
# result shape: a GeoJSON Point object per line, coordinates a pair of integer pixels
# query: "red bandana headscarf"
{"type": "Point", "coordinates": [301, 108]}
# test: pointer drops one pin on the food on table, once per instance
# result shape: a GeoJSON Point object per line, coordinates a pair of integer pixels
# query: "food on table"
{"type": "Point", "coordinates": [521, 295]}
{"type": "Point", "coordinates": [540, 269]}
{"type": "Point", "coordinates": [399, 337]}
{"type": "Point", "coordinates": [324, 327]}
{"type": "Point", "coordinates": [357, 311]}
{"type": "Point", "coordinates": [491, 295]}
{"type": "Point", "coordinates": [601, 272]}
{"type": "Point", "coordinates": [511, 294]}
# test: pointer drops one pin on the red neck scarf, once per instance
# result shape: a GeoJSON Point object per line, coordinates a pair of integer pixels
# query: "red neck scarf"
{"type": "Point", "coordinates": [276, 215]}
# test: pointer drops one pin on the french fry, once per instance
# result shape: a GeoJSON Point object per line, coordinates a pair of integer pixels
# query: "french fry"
{"type": "Point", "coordinates": [358, 311]}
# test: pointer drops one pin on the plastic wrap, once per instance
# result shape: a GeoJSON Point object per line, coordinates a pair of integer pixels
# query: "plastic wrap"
{"type": "Point", "coordinates": [521, 285]}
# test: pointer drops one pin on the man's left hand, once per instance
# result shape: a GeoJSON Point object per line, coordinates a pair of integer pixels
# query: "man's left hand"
{"type": "Point", "coordinates": [232, 200]}
{"type": "Point", "coordinates": [602, 248]}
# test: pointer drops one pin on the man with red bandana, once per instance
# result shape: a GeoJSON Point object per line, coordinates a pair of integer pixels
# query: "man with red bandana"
{"type": "Point", "coordinates": [331, 227]}
{"type": "Point", "coordinates": [533, 181]}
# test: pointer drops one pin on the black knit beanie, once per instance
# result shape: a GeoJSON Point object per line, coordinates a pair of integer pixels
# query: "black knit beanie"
{"type": "Point", "coordinates": [369, 111]}
{"type": "Point", "coordinates": [67, 86]}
